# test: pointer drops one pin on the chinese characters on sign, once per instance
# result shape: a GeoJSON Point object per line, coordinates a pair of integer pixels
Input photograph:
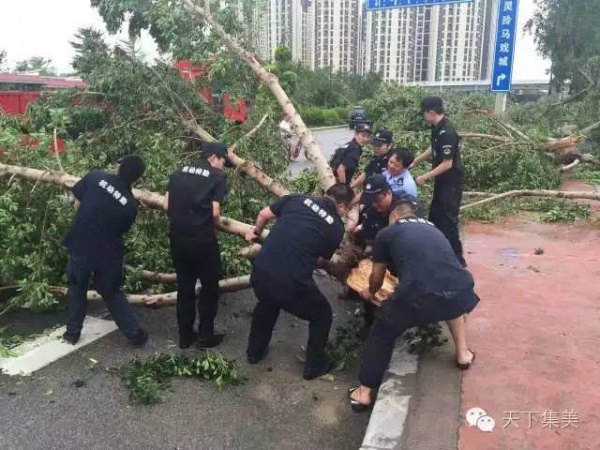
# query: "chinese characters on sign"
{"type": "Point", "coordinates": [505, 45]}
{"type": "Point", "coordinates": [374, 5]}
{"type": "Point", "coordinates": [545, 419]}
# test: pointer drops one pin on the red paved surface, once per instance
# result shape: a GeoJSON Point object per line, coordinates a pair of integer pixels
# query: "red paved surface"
{"type": "Point", "coordinates": [536, 333]}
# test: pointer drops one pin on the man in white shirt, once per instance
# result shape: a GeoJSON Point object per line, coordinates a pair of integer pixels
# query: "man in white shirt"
{"type": "Point", "coordinates": [285, 132]}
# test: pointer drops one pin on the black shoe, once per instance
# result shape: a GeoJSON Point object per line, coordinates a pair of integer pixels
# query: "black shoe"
{"type": "Point", "coordinates": [310, 373]}
{"type": "Point", "coordinates": [71, 338]}
{"type": "Point", "coordinates": [256, 359]}
{"type": "Point", "coordinates": [187, 341]}
{"type": "Point", "coordinates": [213, 341]}
{"type": "Point", "coordinates": [140, 339]}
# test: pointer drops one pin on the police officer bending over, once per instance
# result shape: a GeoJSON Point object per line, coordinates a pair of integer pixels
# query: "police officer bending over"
{"type": "Point", "coordinates": [346, 158]}
{"type": "Point", "coordinates": [194, 206]}
{"type": "Point", "coordinates": [447, 169]}
{"type": "Point", "coordinates": [106, 210]}
{"type": "Point", "coordinates": [414, 249]}
{"type": "Point", "coordinates": [308, 230]}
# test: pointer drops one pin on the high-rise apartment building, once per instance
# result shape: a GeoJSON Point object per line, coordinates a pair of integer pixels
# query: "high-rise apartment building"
{"type": "Point", "coordinates": [430, 43]}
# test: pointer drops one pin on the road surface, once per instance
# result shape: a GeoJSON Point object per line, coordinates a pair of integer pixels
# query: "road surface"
{"type": "Point", "coordinates": [328, 140]}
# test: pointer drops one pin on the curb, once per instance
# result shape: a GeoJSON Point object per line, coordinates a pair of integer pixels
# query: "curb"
{"type": "Point", "coordinates": [388, 418]}
{"type": "Point", "coordinates": [330, 127]}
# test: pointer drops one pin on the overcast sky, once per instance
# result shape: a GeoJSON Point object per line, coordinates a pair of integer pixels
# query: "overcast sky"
{"type": "Point", "coordinates": [45, 27]}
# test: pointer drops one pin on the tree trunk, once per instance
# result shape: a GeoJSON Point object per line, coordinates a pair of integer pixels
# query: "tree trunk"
{"type": "Point", "coordinates": [147, 198]}
{"type": "Point", "coordinates": [270, 80]}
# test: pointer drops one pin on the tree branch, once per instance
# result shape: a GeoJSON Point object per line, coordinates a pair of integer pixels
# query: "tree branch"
{"type": "Point", "coordinates": [270, 81]}
{"type": "Point", "coordinates": [249, 134]}
{"type": "Point", "coordinates": [534, 193]}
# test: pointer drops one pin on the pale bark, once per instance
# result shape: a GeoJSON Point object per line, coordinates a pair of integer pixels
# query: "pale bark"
{"type": "Point", "coordinates": [270, 81]}
{"type": "Point", "coordinates": [147, 198]}
{"type": "Point", "coordinates": [535, 193]}
{"type": "Point", "coordinates": [166, 299]}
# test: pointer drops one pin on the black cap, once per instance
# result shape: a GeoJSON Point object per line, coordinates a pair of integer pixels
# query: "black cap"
{"type": "Point", "coordinates": [382, 136]}
{"type": "Point", "coordinates": [218, 149]}
{"type": "Point", "coordinates": [431, 103]}
{"type": "Point", "coordinates": [363, 127]}
{"type": "Point", "coordinates": [373, 186]}
{"type": "Point", "coordinates": [407, 198]}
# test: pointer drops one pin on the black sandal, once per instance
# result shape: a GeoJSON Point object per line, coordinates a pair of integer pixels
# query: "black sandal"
{"type": "Point", "coordinates": [355, 405]}
{"type": "Point", "coordinates": [466, 366]}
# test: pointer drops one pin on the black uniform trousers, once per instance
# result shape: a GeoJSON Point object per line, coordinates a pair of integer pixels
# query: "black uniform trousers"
{"type": "Point", "coordinates": [195, 260]}
{"type": "Point", "coordinates": [303, 300]}
{"type": "Point", "coordinates": [107, 275]}
{"type": "Point", "coordinates": [444, 211]}
{"type": "Point", "coordinates": [398, 314]}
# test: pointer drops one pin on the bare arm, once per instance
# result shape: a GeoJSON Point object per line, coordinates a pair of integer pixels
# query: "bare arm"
{"type": "Point", "coordinates": [423, 156]}
{"type": "Point", "coordinates": [376, 278]}
{"type": "Point", "coordinates": [358, 181]}
{"type": "Point", "coordinates": [341, 174]}
{"type": "Point", "coordinates": [77, 204]}
{"type": "Point", "coordinates": [166, 202]}
{"type": "Point", "coordinates": [216, 206]}
{"type": "Point", "coordinates": [263, 218]}
{"type": "Point", "coordinates": [444, 166]}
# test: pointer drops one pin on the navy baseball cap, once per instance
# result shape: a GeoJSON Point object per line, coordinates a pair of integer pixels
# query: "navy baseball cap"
{"type": "Point", "coordinates": [431, 103]}
{"type": "Point", "coordinates": [382, 136]}
{"type": "Point", "coordinates": [407, 198]}
{"type": "Point", "coordinates": [373, 187]}
{"type": "Point", "coordinates": [218, 149]}
{"type": "Point", "coordinates": [363, 127]}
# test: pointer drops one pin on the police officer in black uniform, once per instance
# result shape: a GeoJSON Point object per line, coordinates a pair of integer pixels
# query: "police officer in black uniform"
{"type": "Point", "coordinates": [106, 210]}
{"type": "Point", "coordinates": [346, 158]}
{"type": "Point", "coordinates": [193, 200]}
{"type": "Point", "coordinates": [432, 287]}
{"type": "Point", "coordinates": [383, 148]}
{"type": "Point", "coordinates": [447, 169]}
{"type": "Point", "coordinates": [307, 233]}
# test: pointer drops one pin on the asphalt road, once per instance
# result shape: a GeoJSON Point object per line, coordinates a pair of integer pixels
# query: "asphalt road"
{"type": "Point", "coordinates": [328, 140]}
{"type": "Point", "coordinates": [274, 409]}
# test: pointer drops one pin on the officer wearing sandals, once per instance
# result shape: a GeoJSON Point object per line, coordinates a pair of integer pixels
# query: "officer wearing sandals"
{"type": "Point", "coordinates": [193, 201]}
{"type": "Point", "coordinates": [307, 233]}
{"type": "Point", "coordinates": [447, 170]}
{"type": "Point", "coordinates": [432, 286]}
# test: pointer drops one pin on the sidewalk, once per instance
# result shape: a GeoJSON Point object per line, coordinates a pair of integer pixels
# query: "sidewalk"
{"type": "Point", "coordinates": [535, 332]}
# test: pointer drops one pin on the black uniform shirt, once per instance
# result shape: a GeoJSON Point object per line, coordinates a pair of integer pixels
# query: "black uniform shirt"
{"type": "Point", "coordinates": [444, 145]}
{"type": "Point", "coordinates": [378, 164]}
{"type": "Point", "coordinates": [307, 228]}
{"type": "Point", "coordinates": [422, 258]}
{"type": "Point", "coordinates": [373, 221]}
{"type": "Point", "coordinates": [107, 211]}
{"type": "Point", "coordinates": [192, 191]}
{"type": "Point", "coordinates": [349, 156]}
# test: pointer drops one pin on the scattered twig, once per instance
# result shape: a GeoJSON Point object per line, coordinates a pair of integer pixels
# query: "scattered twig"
{"type": "Point", "coordinates": [249, 134]}
{"type": "Point", "coordinates": [535, 193]}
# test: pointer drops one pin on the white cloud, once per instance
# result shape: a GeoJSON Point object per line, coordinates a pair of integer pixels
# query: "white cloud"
{"type": "Point", "coordinates": [45, 27]}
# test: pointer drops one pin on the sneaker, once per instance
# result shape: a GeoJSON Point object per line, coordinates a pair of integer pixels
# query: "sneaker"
{"type": "Point", "coordinates": [187, 341]}
{"type": "Point", "coordinates": [256, 359]}
{"type": "Point", "coordinates": [71, 338]}
{"type": "Point", "coordinates": [310, 373]}
{"type": "Point", "coordinates": [140, 339]}
{"type": "Point", "coordinates": [210, 342]}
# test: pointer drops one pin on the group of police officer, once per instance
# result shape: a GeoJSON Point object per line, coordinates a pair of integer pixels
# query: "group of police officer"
{"type": "Point", "coordinates": [426, 256]}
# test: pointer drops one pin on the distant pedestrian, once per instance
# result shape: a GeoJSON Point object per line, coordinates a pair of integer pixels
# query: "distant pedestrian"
{"type": "Point", "coordinates": [447, 170]}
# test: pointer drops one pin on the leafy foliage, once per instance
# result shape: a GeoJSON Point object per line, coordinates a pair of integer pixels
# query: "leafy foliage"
{"type": "Point", "coordinates": [36, 64]}
{"type": "Point", "coordinates": [146, 380]}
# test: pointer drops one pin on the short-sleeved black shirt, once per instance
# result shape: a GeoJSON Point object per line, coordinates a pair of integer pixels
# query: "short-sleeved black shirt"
{"type": "Point", "coordinates": [349, 156]}
{"type": "Point", "coordinates": [307, 228]}
{"type": "Point", "coordinates": [422, 258]}
{"type": "Point", "coordinates": [445, 145]}
{"type": "Point", "coordinates": [192, 191]}
{"type": "Point", "coordinates": [108, 210]}
{"type": "Point", "coordinates": [378, 164]}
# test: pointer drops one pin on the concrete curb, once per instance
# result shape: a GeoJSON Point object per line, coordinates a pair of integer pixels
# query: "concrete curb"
{"type": "Point", "coordinates": [389, 414]}
{"type": "Point", "coordinates": [330, 127]}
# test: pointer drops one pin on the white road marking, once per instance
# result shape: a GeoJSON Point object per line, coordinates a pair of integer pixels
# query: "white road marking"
{"type": "Point", "coordinates": [33, 355]}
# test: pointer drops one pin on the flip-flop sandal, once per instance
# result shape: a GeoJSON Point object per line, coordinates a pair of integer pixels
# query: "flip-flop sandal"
{"type": "Point", "coordinates": [466, 366]}
{"type": "Point", "coordinates": [355, 405]}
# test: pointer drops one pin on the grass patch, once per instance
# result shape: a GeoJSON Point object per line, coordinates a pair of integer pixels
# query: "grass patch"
{"type": "Point", "coordinates": [146, 380]}
{"type": "Point", "coordinates": [553, 210]}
